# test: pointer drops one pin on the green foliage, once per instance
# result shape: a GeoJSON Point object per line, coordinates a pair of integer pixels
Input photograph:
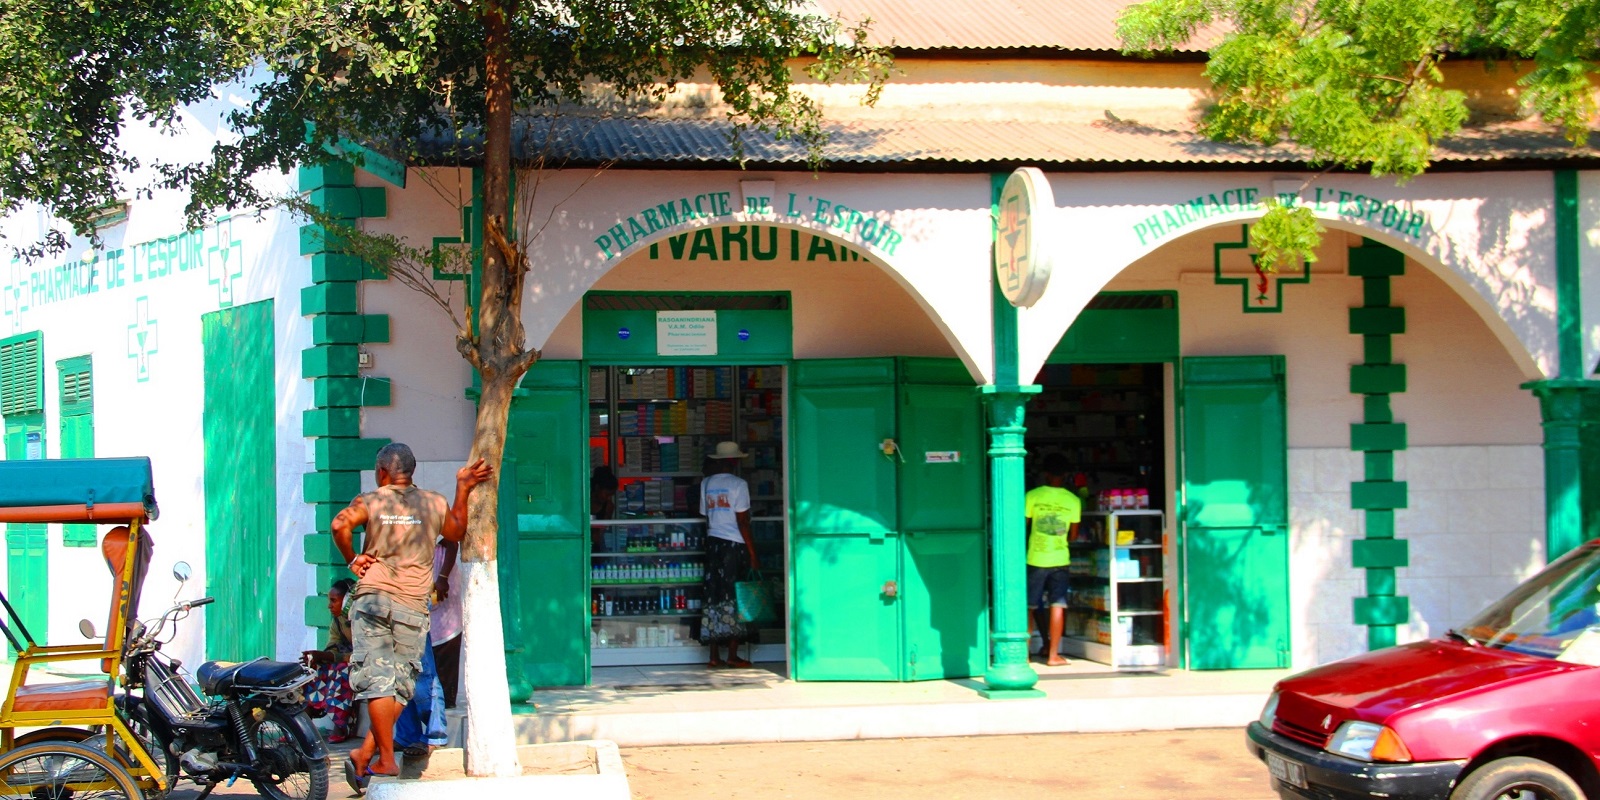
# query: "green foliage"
{"type": "Point", "coordinates": [1357, 83]}
{"type": "Point", "coordinates": [74, 73]}
{"type": "Point", "coordinates": [1285, 235]}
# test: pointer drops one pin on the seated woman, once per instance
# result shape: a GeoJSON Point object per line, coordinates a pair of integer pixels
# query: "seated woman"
{"type": "Point", "coordinates": [329, 693]}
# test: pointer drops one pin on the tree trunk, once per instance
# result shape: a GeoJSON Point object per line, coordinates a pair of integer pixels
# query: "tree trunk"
{"type": "Point", "coordinates": [497, 350]}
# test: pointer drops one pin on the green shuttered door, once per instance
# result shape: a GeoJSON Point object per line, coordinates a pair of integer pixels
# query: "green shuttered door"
{"type": "Point", "coordinates": [239, 434]}
{"type": "Point", "coordinates": [1236, 543]}
{"type": "Point", "coordinates": [544, 526]}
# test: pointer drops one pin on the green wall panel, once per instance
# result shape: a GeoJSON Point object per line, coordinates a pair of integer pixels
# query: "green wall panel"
{"type": "Point", "coordinates": [935, 421]}
{"type": "Point", "coordinates": [945, 612]}
{"type": "Point", "coordinates": [238, 428]}
{"type": "Point", "coordinates": [553, 635]}
{"type": "Point", "coordinates": [845, 627]}
{"type": "Point", "coordinates": [842, 482]}
{"type": "Point", "coordinates": [743, 337]}
{"type": "Point", "coordinates": [1120, 336]}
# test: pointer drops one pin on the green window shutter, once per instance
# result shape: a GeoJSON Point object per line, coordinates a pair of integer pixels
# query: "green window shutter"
{"type": "Point", "coordinates": [21, 375]}
{"type": "Point", "coordinates": [76, 383]}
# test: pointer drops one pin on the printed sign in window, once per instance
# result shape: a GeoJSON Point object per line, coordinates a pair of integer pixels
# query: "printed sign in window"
{"type": "Point", "coordinates": [686, 333]}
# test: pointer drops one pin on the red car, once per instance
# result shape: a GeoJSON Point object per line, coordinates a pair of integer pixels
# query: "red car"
{"type": "Point", "coordinates": [1506, 707]}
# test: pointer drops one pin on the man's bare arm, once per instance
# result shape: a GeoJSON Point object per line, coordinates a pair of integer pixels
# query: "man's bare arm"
{"type": "Point", "coordinates": [467, 479]}
{"type": "Point", "coordinates": [344, 525]}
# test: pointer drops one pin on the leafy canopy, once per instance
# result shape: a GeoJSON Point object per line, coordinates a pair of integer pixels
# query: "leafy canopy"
{"type": "Point", "coordinates": [389, 74]}
{"type": "Point", "coordinates": [1358, 84]}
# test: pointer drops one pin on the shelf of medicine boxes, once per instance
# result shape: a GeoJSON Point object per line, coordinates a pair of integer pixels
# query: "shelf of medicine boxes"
{"type": "Point", "coordinates": [1115, 614]}
{"type": "Point", "coordinates": [647, 573]}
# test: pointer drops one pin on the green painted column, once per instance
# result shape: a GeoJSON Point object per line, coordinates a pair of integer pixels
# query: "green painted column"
{"type": "Point", "coordinates": [1561, 408]}
{"type": "Point", "coordinates": [1009, 675]}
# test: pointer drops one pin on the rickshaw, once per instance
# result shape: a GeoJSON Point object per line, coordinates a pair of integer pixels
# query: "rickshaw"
{"type": "Point", "coordinates": [60, 757]}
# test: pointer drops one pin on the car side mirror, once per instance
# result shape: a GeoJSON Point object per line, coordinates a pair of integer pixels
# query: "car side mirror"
{"type": "Point", "coordinates": [86, 628]}
{"type": "Point", "coordinates": [181, 571]}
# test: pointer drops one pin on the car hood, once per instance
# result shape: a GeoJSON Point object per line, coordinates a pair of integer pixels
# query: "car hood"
{"type": "Point", "coordinates": [1375, 686]}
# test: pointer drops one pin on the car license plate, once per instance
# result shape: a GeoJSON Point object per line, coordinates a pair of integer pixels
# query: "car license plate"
{"type": "Point", "coordinates": [1287, 771]}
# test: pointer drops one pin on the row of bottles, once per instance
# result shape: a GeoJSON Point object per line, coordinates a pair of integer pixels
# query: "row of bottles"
{"type": "Point", "coordinates": [655, 570]}
{"type": "Point", "coordinates": [666, 601]}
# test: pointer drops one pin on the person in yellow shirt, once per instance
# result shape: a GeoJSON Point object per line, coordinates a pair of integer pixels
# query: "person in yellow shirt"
{"type": "Point", "coordinates": [1053, 512]}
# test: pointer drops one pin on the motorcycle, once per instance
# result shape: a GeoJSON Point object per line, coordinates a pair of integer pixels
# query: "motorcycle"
{"type": "Point", "coordinates": [251, 723]}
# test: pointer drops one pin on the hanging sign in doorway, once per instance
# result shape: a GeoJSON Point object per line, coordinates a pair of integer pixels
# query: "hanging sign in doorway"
{"type": "Point", "coordinates": [1022, 252]}
{"type": "Point", "coordinates": [686, 333]}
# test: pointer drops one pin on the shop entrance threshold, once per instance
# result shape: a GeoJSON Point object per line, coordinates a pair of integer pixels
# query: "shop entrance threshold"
{"type": "Point", "coordinates": [649, 706]}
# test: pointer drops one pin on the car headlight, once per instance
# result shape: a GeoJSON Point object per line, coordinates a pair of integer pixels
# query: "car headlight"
{"type": "Point", "coordinates": [1269, 712]}
{"type": "Point", "coordinates": [1368, 741]}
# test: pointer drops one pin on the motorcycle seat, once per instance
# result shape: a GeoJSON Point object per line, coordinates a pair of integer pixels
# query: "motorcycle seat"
{"type": "Point", "coordinates": [217, 677]}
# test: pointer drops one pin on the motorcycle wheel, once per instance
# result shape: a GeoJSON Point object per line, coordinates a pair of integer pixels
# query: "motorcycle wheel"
{"type": "Point", "coordinates": [157, 746]}
{"type": "Point", "coordinates": [293, 774]}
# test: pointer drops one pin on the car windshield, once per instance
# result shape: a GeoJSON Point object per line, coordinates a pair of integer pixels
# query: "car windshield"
{"type": "Point", "coordinates": [1555, 614]}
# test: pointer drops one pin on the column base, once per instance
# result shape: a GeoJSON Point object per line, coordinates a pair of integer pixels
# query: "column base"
{"type": "Point", "coordinates": [1012, 694]}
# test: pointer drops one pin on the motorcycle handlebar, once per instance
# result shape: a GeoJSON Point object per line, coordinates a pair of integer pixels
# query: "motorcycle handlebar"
{"type": "Point", "coordinates": [201, 602]}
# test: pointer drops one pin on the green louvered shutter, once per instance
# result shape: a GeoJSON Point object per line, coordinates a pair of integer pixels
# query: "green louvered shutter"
{"type": "Point", "coordinates": [77, 429]}
{"type": "Point", "coordinates": [21, 375]}
{"type": "Point", "coordinates": [27, 543]}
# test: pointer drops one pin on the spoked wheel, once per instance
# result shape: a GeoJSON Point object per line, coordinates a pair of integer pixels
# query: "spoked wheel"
{"type": "Point", "coordinates": [60, 770]}
{"type": "Point", "coordinates": [293, 774]}
{"type": "Point", "coordinates": [1518, 778]}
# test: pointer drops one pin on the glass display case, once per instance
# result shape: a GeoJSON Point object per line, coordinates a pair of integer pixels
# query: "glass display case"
{"type": "Point", "coordinates": [645, 593]}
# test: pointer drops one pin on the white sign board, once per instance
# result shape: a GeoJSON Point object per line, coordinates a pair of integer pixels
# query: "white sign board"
{"type": "Point", "coordinates": [686, 333]}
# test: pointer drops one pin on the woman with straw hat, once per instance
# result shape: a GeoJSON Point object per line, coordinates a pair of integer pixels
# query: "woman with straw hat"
{"type": "Point", "coordinates": [730, 552]}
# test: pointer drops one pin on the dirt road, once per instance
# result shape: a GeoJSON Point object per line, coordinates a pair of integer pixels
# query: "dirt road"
{"type": "Point", "coordinates": [1158, 765]}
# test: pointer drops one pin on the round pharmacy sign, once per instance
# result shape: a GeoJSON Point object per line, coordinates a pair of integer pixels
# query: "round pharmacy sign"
{"type": "Point", "coordinates": [1022, 254]}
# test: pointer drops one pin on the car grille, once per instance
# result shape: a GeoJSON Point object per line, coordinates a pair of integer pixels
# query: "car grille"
{"type": "Point", "coordinates": [1308, 736]}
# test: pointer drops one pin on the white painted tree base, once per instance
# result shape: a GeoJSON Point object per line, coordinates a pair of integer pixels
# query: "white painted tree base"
{"type": "Point", "coordinates": [491, 742]}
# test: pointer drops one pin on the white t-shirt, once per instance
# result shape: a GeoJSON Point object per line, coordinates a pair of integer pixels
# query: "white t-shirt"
{"type": "Point", "coordinates": [445, 621]}
{"type": "Point", "coordinates": [722, 497]}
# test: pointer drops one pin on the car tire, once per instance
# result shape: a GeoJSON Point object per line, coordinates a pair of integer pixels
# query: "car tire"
{"type": "Point", "coordinates": [1518, 778]}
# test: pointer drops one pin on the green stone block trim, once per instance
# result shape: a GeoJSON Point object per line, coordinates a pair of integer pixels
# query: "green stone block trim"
{"type": "Point", "coordinates": [345, 392]}
{"type": "Point", "coordinates": [347, 454]}
{"type": "Point", "coordinates": [375, 328]}
{"type": "Point", "coordinates": [335, 173]}
{"type": "Point", "coordinates": [1377, 378]}
{"type": "Point", "coordinates": [1389, 436]}
{"type": "Point", "coordinates": [1377, 349]}
{"type": "Point", "coordinates": [344, 422]}
{"type": "Point", "coordinates": [1382, 610]}
{"type": "Point", "coordinates": [1380, 523]}
{"type": "Point", "coordinates": [374, 201]}
{"type": "Point", "coordinates": [343, 202]}
{"type": "Point", "coordinates": [327, 267]}
{"type": "Point", "coordinates": [1377, 321]}
{"type": "Point", "coordinates": [1569, 290]}
{"type": "Point", "coordinates": [349, 328]}
{"type": "Point", "coordinates": [323, 514]}
{"type": "Point", "coordinates": [316, 238]}
{"type": "Point", "coordinates": [1377, 408]}
{"type": "Point", "coordinates": [327, 574]}
{"type": "Point", "coordinates": [1375, 292]}
{"type": "Point", "coordinates": [317, 613]}
{"type": "Point", "coordinates": [1366, 553]}
{"type": "Point", "coordinates": [328, 298]}
{"type": "Point", "coordinates": [331, 487]}
{"type": "Point", "coordinates": [320, 548]}
{"type": "Point", "coordinates": [1380, 465]}
{"type": "Point", "coordinates": [330, 360]}
{"type": "Point", "coordinates": [1381, 581]}
{"type": "Point", "coordinates": [1377, 494]}
{"type": "Point", "coordinates": [1377, 262]}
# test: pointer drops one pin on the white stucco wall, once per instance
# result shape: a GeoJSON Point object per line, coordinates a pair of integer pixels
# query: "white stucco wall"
{"type": "Point", "coordinates": [152, 276]}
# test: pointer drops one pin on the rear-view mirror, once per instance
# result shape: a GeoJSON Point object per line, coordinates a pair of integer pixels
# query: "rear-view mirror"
{"type": "Point", "coordinates": [181, 571]}
{"type": "Point", "coordinates": [86, 628]}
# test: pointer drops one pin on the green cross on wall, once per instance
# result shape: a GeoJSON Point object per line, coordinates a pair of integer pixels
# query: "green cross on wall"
{"type": "Point", "coordinates": [142, 338]}
{"type": "Point", "coordinates": [224, 261]}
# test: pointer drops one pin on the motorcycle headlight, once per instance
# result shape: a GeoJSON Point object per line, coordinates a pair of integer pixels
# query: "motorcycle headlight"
{"type": "Point", "coordinates": [1269, 712]}
{"type": "Point", "coordinates": [1368, 741]}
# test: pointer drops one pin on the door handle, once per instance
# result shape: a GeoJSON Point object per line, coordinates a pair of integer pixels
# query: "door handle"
{"type": "Point", "coordinates": [890, 589]}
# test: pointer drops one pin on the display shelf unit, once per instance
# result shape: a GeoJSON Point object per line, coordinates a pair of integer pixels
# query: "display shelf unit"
{"type": "Point", "coordinates": [1106, 419]}
{"type": "Point", "coordinates": [1117, 609]}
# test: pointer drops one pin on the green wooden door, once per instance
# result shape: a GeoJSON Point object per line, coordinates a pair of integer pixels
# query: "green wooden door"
{"type": "Point", "coordinates": [238, 432]}
{"type": "Point", "coordinates": [27, 543]}
{"type": "Point", "coordinates": [846, 548]}
{"type": "Point", "coordinates": [546, 548]}
{"type": "Point", "coordinates": [1235, 514]}
{"type": "Point", "coordinates": [944, 606]}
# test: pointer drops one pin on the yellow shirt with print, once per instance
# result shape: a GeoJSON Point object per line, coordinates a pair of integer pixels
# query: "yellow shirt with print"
{"type": "Point", "coordinates": [1053, 511]}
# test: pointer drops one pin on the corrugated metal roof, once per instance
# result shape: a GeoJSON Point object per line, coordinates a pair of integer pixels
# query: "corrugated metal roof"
{"type": "Point", "coordinates": [992, 24]}
{"type": "Point", "coordinates": [688, 142]}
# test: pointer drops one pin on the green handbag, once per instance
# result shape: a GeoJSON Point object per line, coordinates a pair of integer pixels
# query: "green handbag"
{"type": "Point", "coordinates": [756, 601]}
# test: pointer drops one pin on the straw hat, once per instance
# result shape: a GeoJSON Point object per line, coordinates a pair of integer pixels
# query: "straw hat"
{"type": "Point", "coordinates": [728, 450]}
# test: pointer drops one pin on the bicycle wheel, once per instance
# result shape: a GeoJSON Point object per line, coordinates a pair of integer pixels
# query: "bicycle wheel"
{"type": "Point", "coordinates": [63, 771]}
